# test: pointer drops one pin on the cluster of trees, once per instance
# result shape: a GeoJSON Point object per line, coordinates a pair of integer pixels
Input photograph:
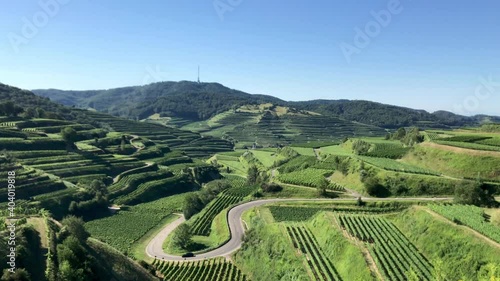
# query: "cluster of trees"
{"type": "Point", "coordinates": [195, 202]}
{"type": "Point", "coordinates": [408, 137]}
{"type": "Point", "coordinates": [74, 261]}
{"type": "Point", "coordinates": [261, 178]}
{"type": "Point", "coordinates": [383, 115]}
{"type": "Point", "coordinates": [10, 109]}
{"type": "Point", "coordinates": [22, 101]}
{"type": "Point", "coordinates": [254, 176]}
{"type": "Point", "coordinates": [373, 186]}
{"type": "Point", "coordinates": [94, 207]}
{"type": "Point", "coordinates": [341, 164]}
{"type": "Point", "coordinates": [182, 236]}
{"type": "Point", "coordinates": [475, 193]}
{"type": "Point", "coordinates": [28, 243]}
{"type": "Point", "coordinates": [361, 147]}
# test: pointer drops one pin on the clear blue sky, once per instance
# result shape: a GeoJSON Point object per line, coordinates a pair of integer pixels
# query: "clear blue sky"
{"type": "Point", "coordinates": [430, 55]}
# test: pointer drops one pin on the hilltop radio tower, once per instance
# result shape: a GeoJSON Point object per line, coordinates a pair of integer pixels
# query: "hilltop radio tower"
{"type": "Point", "coordinates": [199, 74]}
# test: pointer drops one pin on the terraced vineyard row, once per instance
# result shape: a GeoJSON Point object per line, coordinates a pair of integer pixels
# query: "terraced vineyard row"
{"type": "Point", "coordinates": [393, 252]}
{"type": "Point", "coordinates": [130, 182]}
{"type": "Point", "coordinates": [432, 136]}
{"type": "Point", "coordinates": [320, 266]}
{"type": "Point", "coordinates": [213, 270]}
{"type": "Point", "coordinates": [239, 187]}
{"type": "Point", "coordinates": [308, 177]}
{"type": "Point", "coordinates": [469, 145]}
{"type": "Point", "coordinates": [152, 189]}
{"type": "Point", "coordinates": [491, 142]}
{"type": "Point", "coordinates": [298, 214]}
{"type": "Point", "coordinates": [388, 150]}
{"type": "Point", "coordinates": [28, 183]}
{"type": "Point", "coordinates": [471, 216]}
{"type": "Point", "coordinates": [202, 224]}
{"type": "Point", "coordinates": [335, 186]}
{"type": "Point", "coordinates": [393, 165]}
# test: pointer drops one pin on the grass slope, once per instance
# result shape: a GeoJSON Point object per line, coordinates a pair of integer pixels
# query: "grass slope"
{"type": "Point", "coordinates": [454, 163]}
{"type": "Point", "coordinates": [115, 266]}
{"type": "Point", "coordinates": [267, 253]}
{"type": "Point", "coordinates": [462, 254]}
{"type": "Point", "coordinates": [345, 255]}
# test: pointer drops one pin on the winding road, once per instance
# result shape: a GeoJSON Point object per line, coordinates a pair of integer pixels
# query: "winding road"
{"type": "Point", "coordinates": [155, 247]}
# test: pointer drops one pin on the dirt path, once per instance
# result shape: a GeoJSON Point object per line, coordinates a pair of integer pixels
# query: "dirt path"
{"type": "Point", "coordinates": [117, 178]}
{"type": "Point", "coordinates": [461, 150]}
{"type": "Point", "coordinates": [316, 153]}
{"type": "Point", "coordinates": [135, 137]}
{"type": "Point", "coordinates": [273, 174]}
{"type": "Point", "coordinates": [56, 222]}
{"type": "Point", "coordinates": [466, 228]}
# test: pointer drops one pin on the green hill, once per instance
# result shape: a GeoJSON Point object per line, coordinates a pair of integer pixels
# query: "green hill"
{"type": "Point", "coordinates": [202, 101]}
{"type": "Point", "coordinates": [268, 125]}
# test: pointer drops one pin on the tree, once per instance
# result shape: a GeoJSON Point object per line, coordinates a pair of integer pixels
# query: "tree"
{"type": "Point", "coordinates": [69, 273]}
{"type": "Point", "coordinates": [40, 113]}
{"type": "Point", "coordinates": [252, 174]}
{"type": "Point", "coordinates": [192, 205]}
{"type": "Point", "coordinates": [75, 227]}
{"type": "Point", "coordinates": [98, 188]}
{"type": "Point", "coordinates": [399, 134]}
{"type": "Point", "coordinates": [322, 186]}
{"type": "Point", "coordinates": [122, 143]}
{"type": "Point", "coordinates": [412, 137]}
{"type": "Point", "coordinates": [263, 177]}
{"type": "Point", "coordinates": [474, 193]}
{"type": "Point", "coordinates": [271, 187]}
{"type": "Point", "coordinates": [182, 236]}
{"type": "Point", "coordinates": [69, 135]}
{"type": "Point", "coordinates": [359, 202]}
{"type": "Point", "coordinates": [30, 112]}
{"type": "Point", "coordinates": [10, 109]}
{"type": "Point", "coordinates": [373, 187]}
{"type": "Point", "coordinates": [19, 275]}
{"type": "Point", "coordinates": [361, 147]}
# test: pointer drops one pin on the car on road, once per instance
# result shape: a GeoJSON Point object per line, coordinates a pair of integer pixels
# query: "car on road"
{"type": "Point", "coordinates": [188, 255]}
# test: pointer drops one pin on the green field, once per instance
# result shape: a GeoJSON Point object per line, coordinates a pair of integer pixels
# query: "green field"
{"type": "Point", "coordinates": [126, 227]}
{"type": "Point", "coordinates": [309, 177]}
{"type": "Point", "coordinates": [216, 270]}
{"type": "Point", "coordinates": [453, 163]}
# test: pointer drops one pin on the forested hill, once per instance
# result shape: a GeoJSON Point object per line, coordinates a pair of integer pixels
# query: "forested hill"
{"type": "Point", "coordinates": [34, 105]}
{"type": "Point", "coordinates": [189, 100]}
{"type": "Point", "coordinates": [390, 116]}
{"type": "Point", "coordinates": [200, 101]}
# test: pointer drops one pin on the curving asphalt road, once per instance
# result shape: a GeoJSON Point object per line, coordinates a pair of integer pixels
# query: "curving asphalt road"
{"type": "Point", "coordinates": [237, 230]}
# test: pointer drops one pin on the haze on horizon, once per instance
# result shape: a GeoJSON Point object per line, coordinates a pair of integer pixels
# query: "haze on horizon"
{"type": "Point", "coordinates": [420, 54]}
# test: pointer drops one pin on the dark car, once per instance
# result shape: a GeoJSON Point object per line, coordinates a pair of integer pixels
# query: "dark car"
{"type": "Point", "coordinates": [188, 255]}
